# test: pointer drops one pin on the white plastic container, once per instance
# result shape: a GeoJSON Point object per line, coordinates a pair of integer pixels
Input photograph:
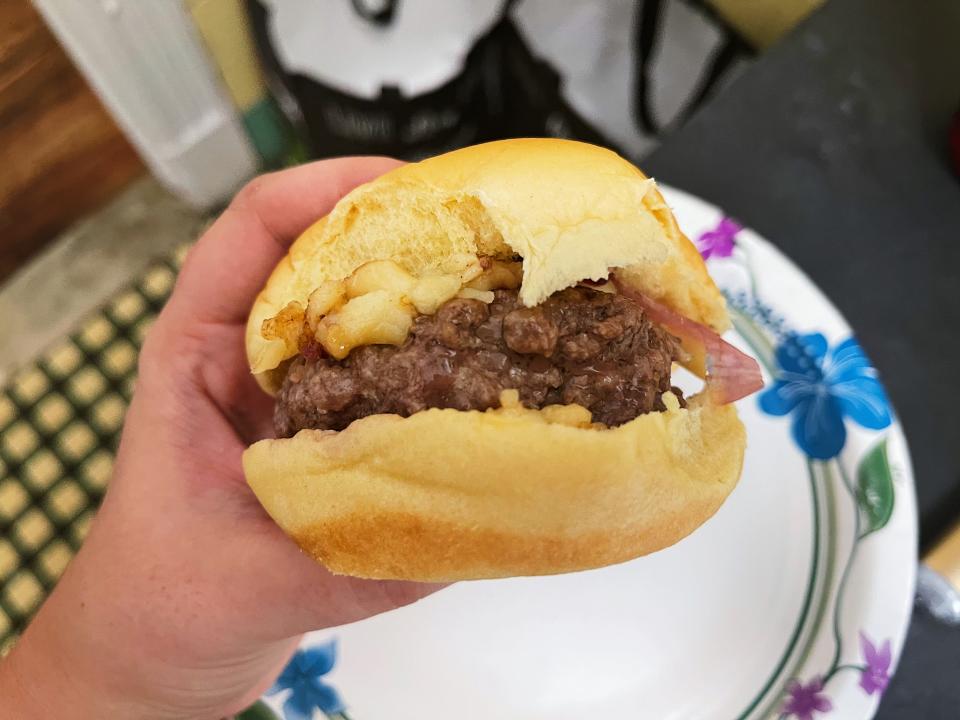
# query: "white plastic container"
{"type": "Point", "coordinates": [146, 62]}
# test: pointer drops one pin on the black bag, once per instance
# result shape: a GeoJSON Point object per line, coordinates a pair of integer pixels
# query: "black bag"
{"type": "Point", "coordinates": [499, 88]}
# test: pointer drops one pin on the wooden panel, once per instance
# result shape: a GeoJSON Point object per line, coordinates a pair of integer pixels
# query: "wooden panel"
{"type": "Point", "coordinates": [61, 155]}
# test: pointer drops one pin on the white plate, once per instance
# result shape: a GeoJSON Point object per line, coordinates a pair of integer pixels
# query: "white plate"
{"type": "Point", "coordinates": [768, 610]}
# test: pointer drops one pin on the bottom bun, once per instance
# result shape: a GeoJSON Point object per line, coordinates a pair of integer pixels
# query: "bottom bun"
{"type": "Point", "coordinates": [448, 495]}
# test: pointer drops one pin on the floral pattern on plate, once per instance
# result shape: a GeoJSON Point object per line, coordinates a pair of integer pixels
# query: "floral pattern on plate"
{"type": "Point", "coordinates": [820, 388]}
{"type": "Point", "coordinates": [305, 693]}
{"type": "Point", "coordinates": [823, 390]}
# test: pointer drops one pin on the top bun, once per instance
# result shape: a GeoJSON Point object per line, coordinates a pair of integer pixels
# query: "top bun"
{"type": "Point", "coordinates": [572, 211]}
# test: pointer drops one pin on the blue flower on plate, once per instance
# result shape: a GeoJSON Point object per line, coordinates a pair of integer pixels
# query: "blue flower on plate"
{"type": "Point", "coordinates": [820, 387]}
{"type": "Point", "coordinates": [302, 676]}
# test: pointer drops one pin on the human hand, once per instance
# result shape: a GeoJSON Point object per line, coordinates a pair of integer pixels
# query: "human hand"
{"type": "Point", "coordinates": [186, 600]}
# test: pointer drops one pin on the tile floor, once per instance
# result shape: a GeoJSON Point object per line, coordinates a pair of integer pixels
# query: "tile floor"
{"type": "Point", "coordinates": [46, 299]}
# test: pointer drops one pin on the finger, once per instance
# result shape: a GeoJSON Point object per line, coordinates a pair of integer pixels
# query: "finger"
{"type": "Point", "coordinates": [311, 597]}
{"type": "Point", "coordinates": [327, 600]}
{"type": "Point", "coordinates": [279, 656]}
{"type": "Point", "coordinates": [289, 201]}
{"type": "Point", "coordinates": [377, 596]}
{"type": "Point", "coordinates": [358, 599]}
{"type": "Point", "coordinates": [231, 262]}
{"type": "Point", "coordinates": [228, 383]}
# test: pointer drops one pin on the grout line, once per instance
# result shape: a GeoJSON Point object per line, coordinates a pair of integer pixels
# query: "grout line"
{"type": "Point", "coordinates": [87, 265]}
{"type": "Point", "coordinates": [63, 527]}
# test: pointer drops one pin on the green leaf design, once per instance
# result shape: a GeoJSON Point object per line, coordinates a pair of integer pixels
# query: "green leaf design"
{"type": "Point", "coordinates": [875, 488]}
{"type": "Point", "coordinates": [258, 711]}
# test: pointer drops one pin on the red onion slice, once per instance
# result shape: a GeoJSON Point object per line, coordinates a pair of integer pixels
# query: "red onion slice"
{"type": "Point", "coordinates": [730, 374]}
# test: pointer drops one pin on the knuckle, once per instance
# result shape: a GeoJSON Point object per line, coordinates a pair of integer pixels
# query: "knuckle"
{"type": "Point", "coordinates": [249, 194]}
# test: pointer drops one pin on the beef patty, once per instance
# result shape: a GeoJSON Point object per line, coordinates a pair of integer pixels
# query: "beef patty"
{"type": "Point", "coordinates": [580, 346]}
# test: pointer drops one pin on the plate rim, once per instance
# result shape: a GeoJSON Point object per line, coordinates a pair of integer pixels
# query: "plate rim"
{"type": "Point", "coordinates": [906, 491]}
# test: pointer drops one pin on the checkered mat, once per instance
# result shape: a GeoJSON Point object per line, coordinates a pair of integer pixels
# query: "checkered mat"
{"type": "Point", "coordinates": [60, 421]}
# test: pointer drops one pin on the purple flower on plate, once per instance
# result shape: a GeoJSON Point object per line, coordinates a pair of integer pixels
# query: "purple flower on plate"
{"type": "Point", "coordinates": [876, 675]}
{"type": "Point", "coordinates": [721, 240]}
{"type": "Point", "coordinates": [805, 700]}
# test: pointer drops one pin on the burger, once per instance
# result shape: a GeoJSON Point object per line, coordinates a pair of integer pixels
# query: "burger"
{"type": "Point", "coordinates": [472, 362]}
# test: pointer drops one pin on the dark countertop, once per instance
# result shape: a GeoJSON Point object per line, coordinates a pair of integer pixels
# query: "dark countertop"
{"type": "Point", "coordinates": [833, 145]}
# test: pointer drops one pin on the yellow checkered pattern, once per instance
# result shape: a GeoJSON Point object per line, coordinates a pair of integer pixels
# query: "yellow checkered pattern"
{"type": "Point", "coordinates": [60, 421]}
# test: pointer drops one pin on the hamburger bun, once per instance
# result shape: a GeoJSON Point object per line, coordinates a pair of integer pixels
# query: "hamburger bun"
{"type": "Point", "coordinates": [446, 494]}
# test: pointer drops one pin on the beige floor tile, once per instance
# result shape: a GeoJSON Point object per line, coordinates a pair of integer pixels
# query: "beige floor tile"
{"type": "Point", "coordinates": [86, 266]}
